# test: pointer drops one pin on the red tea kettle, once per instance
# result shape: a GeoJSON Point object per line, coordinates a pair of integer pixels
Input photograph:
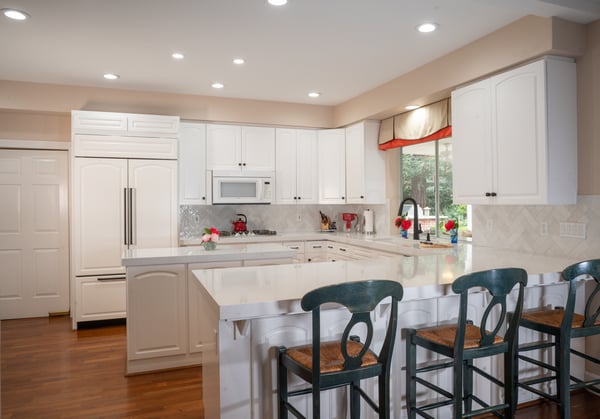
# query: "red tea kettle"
{"type": "Point", "coordinates": [239, 226]}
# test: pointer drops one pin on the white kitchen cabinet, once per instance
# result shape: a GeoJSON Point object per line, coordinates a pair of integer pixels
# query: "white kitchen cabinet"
{"type": "Point", "coordinates": [113, 123]}
{"type": "Point", "coordinates": [240, 148]}
{"type": "Point", "coordinates": [515, 137]}
{"type": "Point", "coordinates": [157, 308]}
{"type": "Point", "coordinates": [192, 164]}
{"type": "Point", "coordinates": [315, 251]}
{"type": "Point", "coordinates": [299, 248]}
{"type": "Point", "coordinates": [100, 187]}
{"type": "Point", "coordinates": [365, 164]}
{"type": "Point", "coordinates": [332, 166]}
{"type": "Point", "coordinates": [296, 171]}
{"type": "Point", "coordinates": [99, 298]}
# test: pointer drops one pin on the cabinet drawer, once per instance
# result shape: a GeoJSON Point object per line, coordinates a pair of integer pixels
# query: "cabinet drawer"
{"type": "Point", "coordinates": [87, 145]}
{"type": "Point", "coordinates": [98, 122]}
{"type": "Point", "coordinates": [100, 299]}
{"type": "Point", "coordinates": [153, 125]}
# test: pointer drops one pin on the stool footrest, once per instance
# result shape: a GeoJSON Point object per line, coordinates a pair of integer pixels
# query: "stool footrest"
{"type": "Point", "coordinates": [538, 363]}
{"type": "Point", "coordinates": [434, 387]}
{"type": "Point", "coordinates": [531, 346]}
{"type": "Point", "coordinates": [538, 392]}
{"type": "Point", "coordinates": [434, 366]}
{"type": "Point", "coordinates": [585, 356]}
{"type": "Point", "coordinates": [488, 376]}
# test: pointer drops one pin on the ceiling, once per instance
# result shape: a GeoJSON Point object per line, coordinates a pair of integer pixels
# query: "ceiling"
{"type": "Point", "coordinates": [340, 48]}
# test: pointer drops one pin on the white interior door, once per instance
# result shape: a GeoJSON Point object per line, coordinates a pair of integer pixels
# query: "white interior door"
{"type": "Point", "coordinates": [34, 239]}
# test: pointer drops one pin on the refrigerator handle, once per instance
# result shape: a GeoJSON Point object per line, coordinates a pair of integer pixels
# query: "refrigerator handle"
{"type": "Point", "coordinates": [132, 220]}
{"type": "Point", "coordinates": [125, 217]}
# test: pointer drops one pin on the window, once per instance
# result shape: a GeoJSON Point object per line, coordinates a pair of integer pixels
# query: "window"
{"type": "Point", "coordinates": [427, 178]}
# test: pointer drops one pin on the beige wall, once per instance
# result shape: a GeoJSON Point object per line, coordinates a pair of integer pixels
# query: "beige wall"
{"type": "Point", "coordinates": [588, 108]}
{"type": "Point", "coordinates": [41, 111]}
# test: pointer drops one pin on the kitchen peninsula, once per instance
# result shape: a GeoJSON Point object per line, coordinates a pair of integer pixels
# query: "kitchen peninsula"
{"type": "Point", "coordinates": [237, 316]}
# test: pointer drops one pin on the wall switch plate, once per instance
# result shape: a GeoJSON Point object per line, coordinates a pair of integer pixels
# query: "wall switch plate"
{"type": "Point", "coordinates": [573, 230]}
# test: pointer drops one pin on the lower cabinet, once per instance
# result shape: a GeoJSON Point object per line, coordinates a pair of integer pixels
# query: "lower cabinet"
{"type": "Point", "coordinates": [156, 321]}
{"type": "Point", "coordinates": [99, 299]}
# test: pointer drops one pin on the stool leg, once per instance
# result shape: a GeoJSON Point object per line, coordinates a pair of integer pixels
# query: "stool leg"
{"type": "Point", "coordinates": [354, 400]}
{"type": "Point", "coordinates": [411, 373]}
{"type": "Point", "coordinates": [458, 388]}
{"type": "Point", "coordinates": [316, 400]}
{"type": "Point", "coordinates": [563, 366]}
{"type": "Point", "coordinates": [282, 389]}
{"type": "Point", "coordinates": [468, 385]}
{"type": "Point", "coordinates": [384, 396]}
{"type": "Point", "coordinates": [510, 383]}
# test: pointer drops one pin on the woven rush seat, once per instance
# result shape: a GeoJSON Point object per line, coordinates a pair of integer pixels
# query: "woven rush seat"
{"type": "Point", "coordinates": [331, 355]}
{"type": "Point", "coordinates": [554, 318]}
{"type": "Point", "coordinates": [445, 335]}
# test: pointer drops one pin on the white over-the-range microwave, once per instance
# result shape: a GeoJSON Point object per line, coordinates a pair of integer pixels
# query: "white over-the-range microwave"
{"type": "Point", "coordinates": [232, 187]}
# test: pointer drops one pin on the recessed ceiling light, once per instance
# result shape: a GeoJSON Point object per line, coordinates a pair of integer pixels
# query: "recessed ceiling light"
{"type": "Point", "coordinates": [15, 14]}
{"type": "Point", "coordinates": [218, 85]}
{"type": "Point", "coordinates": [411, 107]}
{"type": "Point", "coordinates": [177, 55]}
{"type": "Point", "coordinates": [239, 61]}
{"type": "Point", "coordinates": [314, 94]}
{"type": "Point", "coordinates": [277, 2]}
{"type": "Point", "coordinates": [111, 76]}
{"type": "Point", "coordinates": [427, 27]}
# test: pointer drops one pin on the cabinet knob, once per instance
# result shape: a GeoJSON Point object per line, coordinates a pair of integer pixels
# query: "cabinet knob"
{"type": "Point", "coordinates": [362, 197]}
{"type": "Point", "coordinates": [493, 193]}
{"type": "Point", "coordinates": [295, 197]}
{"type": "Point", "coordinates": [204, 198]}
{"type": "Point", "coordinates": [343, 198]}
{"type": "Point", "coordinates": [243, 164]}
{"type": "Point", "coordinates": [490, 194]}
{"type": "Point", "coordinates": [299, 197]}
{"type": "Point", "coordinates": [239, 164]}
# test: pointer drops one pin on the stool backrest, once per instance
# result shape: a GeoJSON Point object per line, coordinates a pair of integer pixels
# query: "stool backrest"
{"type": "Point", "coordinates": [360, 298]}
{"type": "Point", "coordinates": [499, 283]}
{"type": "Point", "coordinates": [582, 270]}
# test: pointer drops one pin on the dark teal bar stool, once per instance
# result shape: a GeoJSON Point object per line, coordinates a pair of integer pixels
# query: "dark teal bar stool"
{"type": "Point", "coordinates": [561, 325]}
{"type": "Point", "coordinates": [462, 342]}
{"type": "Point", "coordinates": [344, 362]}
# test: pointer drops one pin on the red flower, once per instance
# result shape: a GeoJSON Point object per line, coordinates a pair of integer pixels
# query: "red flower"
{"type": "Point", "coordinates": [214, 231]}
{"type": "Point", "coordinates": [405, 224]}
{"type": "Point", "coordinates": [450, 225]}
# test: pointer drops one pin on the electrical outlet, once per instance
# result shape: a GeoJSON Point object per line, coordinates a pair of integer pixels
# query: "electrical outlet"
{"type": "Point", "coordinates": [544, 229]}
{"type": "Point", "coordinates": [196, 218]}
{"type": "Point", "coordinates": [298, 217]}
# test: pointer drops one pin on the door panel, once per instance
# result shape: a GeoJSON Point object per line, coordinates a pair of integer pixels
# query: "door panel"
{"type": "Point", "coordinates": [34, 239]}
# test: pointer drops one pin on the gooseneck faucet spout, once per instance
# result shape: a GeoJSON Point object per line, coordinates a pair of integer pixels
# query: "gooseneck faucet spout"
{"type": "Point", "coordinates": [416, 226]}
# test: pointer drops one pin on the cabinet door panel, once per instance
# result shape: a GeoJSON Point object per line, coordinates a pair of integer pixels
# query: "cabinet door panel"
{"type": "Point", "coordinates": [192, 164]}
{"type": "Point", "coordinates": [98, 215]}
{"type": "Point", "coordinates": [332, 166]}
{"type": "Point", "coordinates": [223, 148]}
{"type": "Point", "coordinates": [307, 167]}
{"type": "Point", "coordinates": [155, 202]}
{"type": "Point", "coordinates": [518, 136]}
{"type": "Point", "coordinates": [258, 148]}
{"type": "Point", "coordinates": [285, 166]}
{"type": "Point", "coordinates": [355, 164]}
{"type": "Point", "coordinates": [471, 155]}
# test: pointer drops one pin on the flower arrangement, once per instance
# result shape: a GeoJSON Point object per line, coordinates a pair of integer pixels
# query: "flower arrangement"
{"type": "Point", "coordinates": [210, 238]}
{"type": "Point", "coordinates": [452, 227]}
{"type": "Point", "coordinates": [403, 224]}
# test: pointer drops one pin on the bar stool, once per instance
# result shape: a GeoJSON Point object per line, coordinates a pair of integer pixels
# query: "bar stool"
{"type": "Point", "coordinates": [344, 362]}
{"type": "Point", "coordinates": [464, 341]}
{"type": "Point", "coordinates": [564, 325]}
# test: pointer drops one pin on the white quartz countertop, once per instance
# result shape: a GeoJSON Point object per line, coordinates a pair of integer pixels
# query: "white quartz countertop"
{"type": "Point", "coordinates": [249, 292]}
{"type": "Point", "coordinates": [196, 254]}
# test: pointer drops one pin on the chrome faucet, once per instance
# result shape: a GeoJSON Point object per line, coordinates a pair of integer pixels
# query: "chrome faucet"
{"type": "Point", "coordinates": [416, 226]}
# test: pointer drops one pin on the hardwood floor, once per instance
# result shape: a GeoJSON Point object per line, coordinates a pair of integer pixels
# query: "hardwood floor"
{"type": "Point", "coordinates": [51, 371]}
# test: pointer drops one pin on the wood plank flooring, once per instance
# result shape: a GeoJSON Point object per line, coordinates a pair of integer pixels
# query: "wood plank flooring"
{"type": "Point", "coordinates": [51, 371]}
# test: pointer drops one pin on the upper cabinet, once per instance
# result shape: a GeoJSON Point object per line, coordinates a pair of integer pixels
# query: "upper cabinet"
{"type": "Point", "coordinates": [351, 166]}
{"type": "Point", "coordinates": [365, 164]}
{"type": "Point", "coordinates": [123, 135]}
{"type": "Point", "coordinates": [231, 147]}
{"type": "Point", "coordinates": [192, 164]}
{"type": "Point", "coordinates": [296, 166]}
{"type": "Point", "coordinates": [109, 123]}
{"type": "Point", "coordinates": [332, 166]}
{"type": "Point", "coordinates": [515, 137]}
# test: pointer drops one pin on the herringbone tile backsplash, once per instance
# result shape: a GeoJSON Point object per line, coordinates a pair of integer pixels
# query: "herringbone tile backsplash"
{"type": "Point", "coordinates": [506, 227]}
{"type": "Point", "coordinates": [521, 228]}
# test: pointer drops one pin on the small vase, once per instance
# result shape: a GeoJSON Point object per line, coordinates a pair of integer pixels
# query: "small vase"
{"type": "Point", "coordinates": [404, 234]}
{"type": "Point", "coordinates": [453, 236]}
{"type": "Point", "coordinates": [209, 245]}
